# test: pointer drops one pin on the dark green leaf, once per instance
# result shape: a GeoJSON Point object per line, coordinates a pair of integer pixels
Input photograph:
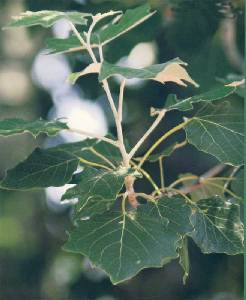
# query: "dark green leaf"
{"type": "Point", "coordinates": [47, 18]}
{"type": "Point", "coordinates": [122, 244]}
{"type": "Point", "coordinates": [237, 185]}
{"type": "Point", "coordinates": [218, 227]}
{"type": "Point", "coordinates": [166, 152]}
{"type": "Point", "coordinates": [218, 130]}
{"type": "Point", "coordinates": [18, 126]}
{"type": "Point", "coordinates": [130, 19]}
{"type": "Point", "coordinates": [169, 71]}
{"type": "Point", "coordinates": [96, 191]}
{"type": "Point", "coordinates": [187, 104]}
{"type": "Point", "coordinates": [184, 260]}
{"type": "Point", "coordinates": [55, 166]}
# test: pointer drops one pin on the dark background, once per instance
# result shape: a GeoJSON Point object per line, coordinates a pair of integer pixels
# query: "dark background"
{"type": "Point", "coordinates": [32, 225]}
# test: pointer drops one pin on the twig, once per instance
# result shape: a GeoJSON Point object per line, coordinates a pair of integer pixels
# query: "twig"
{"type": "Point", "coordinates": [161, 139]}
{"type": "Point", "coordinates": [147, 133]}
{"type": "Point", "coordinates": [121, 98]}
{"type": "Point", "coordinates": [93, 135]}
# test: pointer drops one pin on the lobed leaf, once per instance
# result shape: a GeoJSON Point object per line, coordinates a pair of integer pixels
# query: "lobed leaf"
{"type": "Point", "coordinates": [187, 104]}
{"type": "Point", "coordinates": [96, 192]}
{"type": "Point", "coordinates": [47, 18]}
{"type": "Point", "coordinates": [218, 227]}
{"type": "Point", "coordinates": [92, 68]}
{"type": "Point", "coordinates": [122, 244]}
{"type": "Point", "coordinates": [129, 20]}
{"type": "Point", "coordinates": [218, 130]}
{"type": "Point", "coordinates": [18, 126]}
{"type": "Point", "coordinates": [170, 71]}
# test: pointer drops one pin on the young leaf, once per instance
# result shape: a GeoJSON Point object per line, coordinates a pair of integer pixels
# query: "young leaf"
{"type": "Point", "coordinates": [184, 260]}
{"type": "Point", "coordinates": [186, 104]}
{"type": "Point", "coordinates": [96, 191]}
{"type": "Point", "coordinates": [130, 19]}
{"type": "Point", "coordinates": [19, 126]}
{"type": "Point", "coordinates": [169, 71]}
{"type": "Point", "coordinates": [122, 244]}
{"type": "Point", "coordinates": [218, 130]}
{"type": "Point", "coordinates": [55, 166]}
{"type": "Point", "coordinates": [47, 18]}
{"type": "Point", "coordinates": [218, 227]}
{"type": "Point", "coordinates": [92, 68]}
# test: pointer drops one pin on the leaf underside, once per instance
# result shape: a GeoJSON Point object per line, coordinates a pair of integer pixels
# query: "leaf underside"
{"type": "Point", "coordinates": [170, 71]}
{"type": "Point", "coordinates": [47, 18]}
{"type": "Point", "coordinates": [18, 126]}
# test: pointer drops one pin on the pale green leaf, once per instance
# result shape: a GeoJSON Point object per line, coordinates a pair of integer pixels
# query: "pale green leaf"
{"type": "Point", "coordinates": [123, 244]}
{"type": "Point", "coordinates": [171, 71]}
{"type": "Point", "coordinates": [218, 130]}
{"type": "Point", "coordinates": [19, 126]}
{"type": "Point", "coordinates": [187, 104]}
{"type": "Point", "coordinates": [47, 18]}
{"type": "Point", "coordinates": [218, 227]}
{"type": "Point", "coordinates": [96, 191]}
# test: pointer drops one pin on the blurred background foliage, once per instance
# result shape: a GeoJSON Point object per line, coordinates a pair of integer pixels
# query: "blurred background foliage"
{"type": "Point", "coordinates": [207, 34]}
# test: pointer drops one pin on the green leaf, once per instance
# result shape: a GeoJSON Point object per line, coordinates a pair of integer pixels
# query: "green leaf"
{"type": "Point", "coordinates": [47, 18]}
{"type": "Point", "coordinates": [237, 185]}
{"type": "Point", "coordinates": [130, 19]}
{"type": "Point", "coordinates": [187, 104]}
{"type": "Point", "coordinates": [184, 260]}
{"type": "Point", "coordinates": [19, 126]}
{"type": "Point", "coordinates": [218, 227]}
{"type": "Point", "coordinates": [96, 191]}
{"type": "Point", "coordinates": [122, 244]}
{"type": "Point", "coordinates": [166, 152]}
{"type": "Point", "coordinates": [209, 187]}
{"type": "Point", "coordinates": [43, 168]}
{"type": "Point", "coordinates": [169, 71]}
{"type": "Point", "coordinates": [90, 69]}
{"type": "Point", "coordinates": [218, 130]}
{"type": "Point", "coordinates": [55, 166]}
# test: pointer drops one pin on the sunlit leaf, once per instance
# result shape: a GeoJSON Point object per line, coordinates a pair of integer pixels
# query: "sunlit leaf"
{"type": "Point", "coordinates": [218, 227]}
{"type": "Point", "coordinates": [19, 126]}
{"type": "Point", "coordinates": [171, 71]}
{"type": "Point", "coordinates": [122, 244]}
{"type": "Point", "coordinates": [218, 130]}
{"type": "Point", "coordinates": [96, 191]}
{"type": "Point", "coordinates": [47, 18]}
